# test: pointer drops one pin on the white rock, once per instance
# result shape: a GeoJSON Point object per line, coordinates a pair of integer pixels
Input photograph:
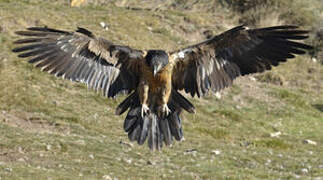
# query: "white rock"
{"type": "Point", "coordinates": [218, 95]}
{"type": "Point", "coordinates": [297, 176]}
{"type": "Point", "coordinates": [48, 147]}
{"type": "Point", "coordinates": [304, 171]}
{"type": "Point", "coordinates": [275, 134]}
{"type": "Point", "coordinates": [280, 155]}
{"type": "Point", "coordinates": [216, 152]}
{"type": "Point", "coordinates": [310, 152]}
{"type": "Point", "coordinates": [307, 141]}
{"type": "Point", "coordinates": [106, 177]}
{"type": "Point", "coordinates": [129, 161]}
{"type": "Point", "coordinates": [314, 59]}
{"type": "Point", "coordinates": [252, 78]}
{"type": "Point", "coordinates": [104, 25]}
{"type": "Point", "coordinates": [20, 150]}
{"type": "Point", "coordinates": [91, 156]}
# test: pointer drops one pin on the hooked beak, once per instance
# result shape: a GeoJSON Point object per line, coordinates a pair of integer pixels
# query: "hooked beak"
{"type": "Point", "coordinates": [155, 72]}
{"type": "Point", "coordinates": [156, 69]}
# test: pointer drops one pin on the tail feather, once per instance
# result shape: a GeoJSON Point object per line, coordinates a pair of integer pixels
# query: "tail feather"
{"type": "Point", "coordinates": [155, 128]}
{"type": "Point", "coordinates": [129, 101]}
{"type": "Point", "coordinates": [155, 137]}
{"type": "Point", "coordinates": [164, 127]}
{"type": "Point", "coordinates": [144, 131]}
{"type": "Point", "coordinates": [175, 124]}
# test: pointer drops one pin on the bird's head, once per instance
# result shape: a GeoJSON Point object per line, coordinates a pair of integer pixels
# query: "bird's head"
{"type": "Point", "coordinates": [156, 60]}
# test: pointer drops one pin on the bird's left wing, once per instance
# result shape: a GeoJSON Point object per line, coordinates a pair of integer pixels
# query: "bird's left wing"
{"type": "Point", "coordinates": [81, 56]}
{"type": "Point", "coordinates": [215, 63]}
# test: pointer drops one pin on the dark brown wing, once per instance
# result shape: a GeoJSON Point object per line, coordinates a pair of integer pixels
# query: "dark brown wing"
{"type": "Point", "coordinates": [82, 57]}
{"type": "Point", "coordinates": [215, 63]}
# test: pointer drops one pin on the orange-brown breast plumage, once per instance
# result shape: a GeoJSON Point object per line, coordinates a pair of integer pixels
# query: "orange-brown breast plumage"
{"type": "Point", "coordinates": [161, 80]}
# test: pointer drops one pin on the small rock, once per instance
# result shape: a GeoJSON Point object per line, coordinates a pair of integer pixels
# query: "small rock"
{"type": "Point", "coordinates": [129, 161]}
{"type": "Point", "coordinates": [304, 171]}
{"type": "Point", "coordinates": [268, 162]}
{"type": "Point", "coordinates": [216, 152]}
{"type": "Point", "coordinates": [104, 26]}
{"type": "Point", "coordinates": [48, 147]}
{"type": "Point", "coordinates": [106, 177]}
{"type": "Point", "coordinates": [218, 95]}
{"type": "Point", "coordinates": [307, 141]}
{"type": "Point", "coordinates": [297, 176]}
{"type": "Point", "coordinates": [190, 151]}
{"type": "Point", "coordinates": [8, 169]}
{"type": "Point", "coordinates": [252, 78]}
{"type": "Point", "coordinates": [149, 162]}
{"type": "Point", "coordinates": [21, 160]}
{"type": "Point", "coordinates": [91, 156]}
{"type": "Point", "coordinates": [275, 134]}
{"type": "Point", "coordinates": [314, 59]}
{"type": "Point", "coordinates": [321, 166]}
{"type": "Point", "coordinates": [80, 174]}
{"type": "Point", "coordinates": [280, 155]}
{"type": "Point", "coordinates": [20, 150]}
{"type": "Point", "coordinates": [238, 107]}
{"type": "Point", "coordinates": [126, 144]}
{"type": "Point", "coordinates": [80, 142]}
{"type": "Point", "coordinates": [41, 155]}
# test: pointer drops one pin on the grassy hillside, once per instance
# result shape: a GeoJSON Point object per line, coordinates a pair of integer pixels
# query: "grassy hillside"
{"type": "Point", "coordinates": [55, 129]}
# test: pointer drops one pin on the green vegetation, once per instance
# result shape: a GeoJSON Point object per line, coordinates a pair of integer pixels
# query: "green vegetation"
{"type": "Point", "coordinates": [55, 129]}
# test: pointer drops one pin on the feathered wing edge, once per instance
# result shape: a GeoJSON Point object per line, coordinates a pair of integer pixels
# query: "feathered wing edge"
{"type": "Point", "coordinates": [156, 129]}
{"type": "Point", "coordinates": [214, 64]}
{"type": "Point", "coordinates": [82, 57]}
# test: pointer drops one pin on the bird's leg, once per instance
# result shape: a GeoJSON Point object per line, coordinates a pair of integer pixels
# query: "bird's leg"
{"type": "Point", "coordinates": [143, 89]}
{"type": "Point", "coordinates": [163, 110]}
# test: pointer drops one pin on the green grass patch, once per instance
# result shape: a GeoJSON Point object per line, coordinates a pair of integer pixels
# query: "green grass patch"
{"type": "Point", "coordinates": [272, 143]}
{"type": "Point", "coordinates": [217, 133]}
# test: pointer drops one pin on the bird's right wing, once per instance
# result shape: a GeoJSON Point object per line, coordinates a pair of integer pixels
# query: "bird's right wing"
{"type": "Point", "coordinates": [82, 57]}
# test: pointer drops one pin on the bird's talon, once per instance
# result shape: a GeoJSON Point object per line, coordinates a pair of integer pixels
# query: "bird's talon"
{"type": "Point", "coordinates": [144, 110]}
{"type": "Point", "coordinates": [164, 111]}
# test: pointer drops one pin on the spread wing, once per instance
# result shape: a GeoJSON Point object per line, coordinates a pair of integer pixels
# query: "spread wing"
{"type": "Point", "coordinates": [215, 63]}
{"type": "Point", "coordinates": [82, 57]}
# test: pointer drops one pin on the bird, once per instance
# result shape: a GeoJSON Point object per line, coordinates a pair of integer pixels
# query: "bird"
{"type": "Point", "coordinates": [154, 80]}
